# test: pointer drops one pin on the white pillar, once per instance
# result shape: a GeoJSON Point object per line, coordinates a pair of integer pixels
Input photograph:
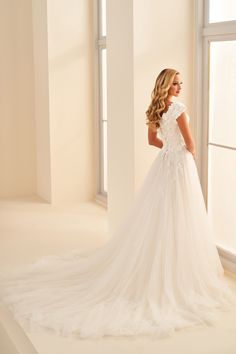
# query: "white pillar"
{"type": "Point", "coordinates": [41, 94]}
{"type": "Point", "coordinates": [141, 41]}
{"type": "Point", "coordinates": [63, 99]}
{"type": "Point", "coordinates": [70, 24]}
{"type": "Point", "coordinates": [120, 108]}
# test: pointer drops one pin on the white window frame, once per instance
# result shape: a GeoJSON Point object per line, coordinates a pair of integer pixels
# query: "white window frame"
{"type": "Point", "coordinates": [99, 44]}
{"type": "Point", "coordinates": [205, 32]}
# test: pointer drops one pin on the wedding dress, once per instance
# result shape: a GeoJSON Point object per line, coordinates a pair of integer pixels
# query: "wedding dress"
{"type": "Point", "coordinates": [159, 272]}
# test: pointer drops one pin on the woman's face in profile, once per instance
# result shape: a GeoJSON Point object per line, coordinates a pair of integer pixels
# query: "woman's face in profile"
{"type": "Point", "coordinates": [175, 87]}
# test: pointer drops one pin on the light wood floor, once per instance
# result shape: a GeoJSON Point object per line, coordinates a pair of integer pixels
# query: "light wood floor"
{"type": "Point", "coordinates": [30, 229]}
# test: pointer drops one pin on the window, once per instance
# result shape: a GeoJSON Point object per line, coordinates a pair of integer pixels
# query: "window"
{"type": "Point", "coordinates": [217, 55]}
{"type": "Point", "coordinates": [221, 140]}
{"type": "Point", "coordinates": [222, 10]}
{"type": "Point", "coordinates": [101, 101]}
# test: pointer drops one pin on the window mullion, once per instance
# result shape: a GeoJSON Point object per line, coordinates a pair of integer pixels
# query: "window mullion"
{"type": "Point", "coordinates": [219, 29]}
{"type": "Point", "coordinates": [102, 41]}
{"type": "Point", "coordinates": [101, 46]}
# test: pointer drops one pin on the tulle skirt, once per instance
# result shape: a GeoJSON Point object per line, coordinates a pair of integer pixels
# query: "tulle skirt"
{"type": "Point", "coordinates": [159, 272]}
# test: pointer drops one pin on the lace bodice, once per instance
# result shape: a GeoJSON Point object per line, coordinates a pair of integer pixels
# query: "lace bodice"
{"type": "Point", "coordinates": [169, 129]}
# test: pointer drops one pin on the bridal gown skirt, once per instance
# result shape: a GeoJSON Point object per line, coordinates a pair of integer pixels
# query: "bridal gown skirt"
{"type": "Point", "coordinates": [159, 272]}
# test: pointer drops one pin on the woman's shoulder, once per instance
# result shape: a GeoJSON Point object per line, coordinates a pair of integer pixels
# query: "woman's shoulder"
{"type": "Point", "coordinates": [179, 104]}
{"type": "Point", "coordinates": [179, 107]}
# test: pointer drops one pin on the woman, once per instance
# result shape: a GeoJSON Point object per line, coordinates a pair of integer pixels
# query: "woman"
{"type": "Point", "coordinates": [160, 270]}
{"type": "Point", "coordinates": [161, 100]}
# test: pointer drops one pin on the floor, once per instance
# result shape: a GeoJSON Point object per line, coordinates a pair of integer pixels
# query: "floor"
{"type": "Point", "coordinates": [30, 229]}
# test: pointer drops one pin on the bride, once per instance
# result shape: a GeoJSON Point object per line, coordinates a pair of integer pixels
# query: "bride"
{"type": "Point", "coordinates": [159, 271]}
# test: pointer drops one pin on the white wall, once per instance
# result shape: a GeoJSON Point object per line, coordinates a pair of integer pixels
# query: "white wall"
{"type": "Point", "coordinates": [120, 108]}
{"type": "Point", "coordinates": [141, 41]}
{"type": "Point", "coordinates": [17, 126]}
{"type": "Point", "coordinates": [46, 99]}
{"type": "Point", "coordinates": [70, 60]}
{"type": "Point", "coordinates": [163, 37]}
{"type": "Point", "coordinates": [143, 38]}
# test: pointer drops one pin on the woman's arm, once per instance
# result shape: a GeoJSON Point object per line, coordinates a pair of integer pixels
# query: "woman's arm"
{"type": "Point", "coordinates": [182, 121]}
{"type": "Point", "coordinates": [153, 139]}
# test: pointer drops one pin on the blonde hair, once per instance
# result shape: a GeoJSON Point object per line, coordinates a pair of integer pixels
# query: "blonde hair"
{"type": "Point", "coordinates": [160, 92]}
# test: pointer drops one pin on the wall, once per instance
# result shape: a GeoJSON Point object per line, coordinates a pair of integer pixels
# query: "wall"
{"type": "Point", "coordinates": [17, 126]}
{"type": "Point", "coordinates": [120, 108]}
{"type": "Point", "coordinates": [142, 39]}
{"type": "Point", "coordinates": [163, 37]}
{"type": "Point", "coordinates": [70, 61]}
{"type": "Point", "coordinates": [46, 108]}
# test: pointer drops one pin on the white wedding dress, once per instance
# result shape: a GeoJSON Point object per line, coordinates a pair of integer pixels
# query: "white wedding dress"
{"type": "Point", "coordinates": [159, 272]}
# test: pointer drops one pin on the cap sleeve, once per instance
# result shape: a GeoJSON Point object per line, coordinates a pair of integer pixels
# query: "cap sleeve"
{"type": "Point", "coordinates": [179, 109]}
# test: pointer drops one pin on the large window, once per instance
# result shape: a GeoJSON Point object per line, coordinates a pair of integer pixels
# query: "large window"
{"type": "Point", "coordinates": [222, 141]}
{"type": "Point", "coordinates": [221, 10]}
{"type": "Point", "coordinates": [102, 101]}
{"type": "Point", "coordinates": [219, 123]}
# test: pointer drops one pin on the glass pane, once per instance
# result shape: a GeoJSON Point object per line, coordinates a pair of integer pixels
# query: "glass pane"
{"type": "Point", "coordinates": [222, 196]}
{"type": "Point", "coordinates": [222, 10]}
{"type": "Point", "coordinates": [222, 122]}
{"type": "Point", "coordinates": [102, 18]}
{"type": "Point", "coordinates": [104, 155]}
{"type": "Point", "coordinates": [104, 83]}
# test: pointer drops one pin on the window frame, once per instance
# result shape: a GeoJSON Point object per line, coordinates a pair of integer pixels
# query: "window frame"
{"type": "Point", "coordinates": [204, 33]}
{"type": "Point", "coordinates": [99, 45]}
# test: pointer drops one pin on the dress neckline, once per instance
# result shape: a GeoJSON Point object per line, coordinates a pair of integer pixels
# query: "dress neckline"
{"type": "Point", "coordinates": [168, 109]}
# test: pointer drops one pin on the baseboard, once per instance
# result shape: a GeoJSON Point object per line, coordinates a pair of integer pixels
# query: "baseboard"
{"type": "Point", "coordinates": [228, 259]}
{"type": "Point", "coordinates": [101, 199]}
{"type": "Point", "coordinates": [13, 339]}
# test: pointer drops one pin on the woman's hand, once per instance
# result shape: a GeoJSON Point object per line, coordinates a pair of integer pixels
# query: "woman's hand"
{"type": "Point", "coordinates": [153, 139]}
{"type": "Point", "coordinates": [192, 152]}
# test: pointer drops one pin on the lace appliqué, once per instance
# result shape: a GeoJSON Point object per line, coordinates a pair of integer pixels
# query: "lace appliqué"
{"type": "Point", "coordinates": [174, 161]}
{"type": "Point", "coordinates": [173, 151]}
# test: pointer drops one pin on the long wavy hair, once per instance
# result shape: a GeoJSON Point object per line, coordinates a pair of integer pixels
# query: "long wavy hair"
{"type": "Point", "coordinates": [159, 94]}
